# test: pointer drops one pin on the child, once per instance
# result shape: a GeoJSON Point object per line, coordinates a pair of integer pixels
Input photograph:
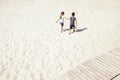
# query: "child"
{"type": "Point", "coordinates": [73, 22]}
{"type": "Point", "coordinates": [61, 21]}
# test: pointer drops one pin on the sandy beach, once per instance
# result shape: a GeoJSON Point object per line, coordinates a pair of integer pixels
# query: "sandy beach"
{"type": "Point", "coordinates": [32, 47]}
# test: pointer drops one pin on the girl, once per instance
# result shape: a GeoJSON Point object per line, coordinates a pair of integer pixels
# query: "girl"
{"type": "Point", "coordinates": [61, 21]}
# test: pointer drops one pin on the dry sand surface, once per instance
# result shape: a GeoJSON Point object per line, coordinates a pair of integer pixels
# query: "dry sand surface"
{"type": "Point", "coordinates": [32, 47]}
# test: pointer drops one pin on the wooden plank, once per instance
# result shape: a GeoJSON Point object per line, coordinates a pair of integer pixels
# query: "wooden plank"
{"type": "Point", "coordinates": [103, 67]}
{"type": "Point", "coordinates": [98, 69]}
{"type": "Point", "coordinates": [116, 77]}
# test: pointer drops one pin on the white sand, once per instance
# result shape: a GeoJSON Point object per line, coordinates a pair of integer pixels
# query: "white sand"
{"type": "Point", "coordinates": [32, 47]}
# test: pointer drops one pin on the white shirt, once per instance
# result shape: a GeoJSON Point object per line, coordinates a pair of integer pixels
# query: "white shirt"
{"type": "Point", "coordinates": [62, 19]}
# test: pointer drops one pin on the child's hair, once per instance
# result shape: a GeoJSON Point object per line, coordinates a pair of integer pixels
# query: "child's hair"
{"type": "Point", "coordinates": [62, 13]}
{"type": "Point", "coordinates": [73, 13]}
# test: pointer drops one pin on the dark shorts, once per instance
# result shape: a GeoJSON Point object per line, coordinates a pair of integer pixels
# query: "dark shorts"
{"type": "Point", "coordinates": [72, 26]}
{"type": "Point", "coordinates": [62, 24]}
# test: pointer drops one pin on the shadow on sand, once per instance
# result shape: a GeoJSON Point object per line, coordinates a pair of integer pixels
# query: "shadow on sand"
{"type": "Point", "coordinates": [80, 30]}
{"type": "Point", "coordinates": [66, 30]}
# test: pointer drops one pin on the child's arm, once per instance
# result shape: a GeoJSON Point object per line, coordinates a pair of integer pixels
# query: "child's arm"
{"type": "Point", "coordinates": [76, 22]}
{"type": "Point", "coordinates": [57, 20]}
{"type": "Point", "coordinates": [67, 18]}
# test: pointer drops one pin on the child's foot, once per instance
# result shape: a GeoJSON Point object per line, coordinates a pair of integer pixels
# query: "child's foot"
{"type": "Point", "coordinates": [62, 30]}
{"type": "Point", "coordinates": [69, 33]}
{"type": "Point", "coordinates": [73, 30]}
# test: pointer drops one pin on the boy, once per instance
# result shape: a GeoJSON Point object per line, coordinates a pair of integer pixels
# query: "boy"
{"type": "Point", "coordinates": [73, 22]}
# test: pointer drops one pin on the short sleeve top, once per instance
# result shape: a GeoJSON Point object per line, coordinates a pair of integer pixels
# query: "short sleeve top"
{"type": "Point", "coordinates": [61, 19]}
{"type": "Point", "coordinates": [72, 20]}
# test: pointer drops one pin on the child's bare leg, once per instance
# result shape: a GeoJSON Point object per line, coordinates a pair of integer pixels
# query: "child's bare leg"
{"type": "Point", "coordinates": [70, 31]}
{"type": "Point", "coordinates": [61, 29]}
{"type": "Point", "coordinates": [74, 29]}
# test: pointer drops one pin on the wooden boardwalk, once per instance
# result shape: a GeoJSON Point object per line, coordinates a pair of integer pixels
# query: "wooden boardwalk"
{"type": "Point", "coordinates": [103, 67]}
